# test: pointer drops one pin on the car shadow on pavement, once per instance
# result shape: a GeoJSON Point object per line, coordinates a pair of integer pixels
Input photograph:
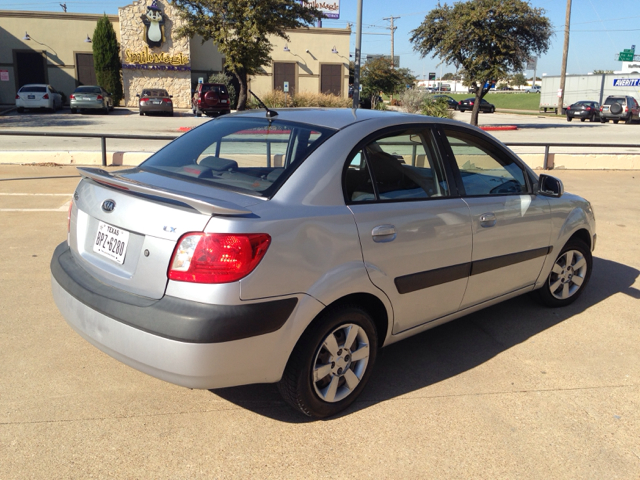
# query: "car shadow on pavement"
{"type": "Point", "coordinates": [446, 351]}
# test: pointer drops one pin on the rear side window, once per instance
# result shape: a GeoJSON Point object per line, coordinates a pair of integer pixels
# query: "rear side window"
{"type": "Point", "coordinates": [248, 155]}
{"type": "Point", "coordinates": [33, 89]}
{"type": "Point", "coordinates": [483, 168]}
{"type": "Point", "coordinates": [397, 167]}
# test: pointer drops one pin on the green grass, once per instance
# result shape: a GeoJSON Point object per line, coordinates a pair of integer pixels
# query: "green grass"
{"type": "Point", "coordinates": [514, 101]}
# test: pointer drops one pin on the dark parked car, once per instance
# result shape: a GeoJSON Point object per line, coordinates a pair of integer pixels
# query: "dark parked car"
{"type": "Point", "coordinates": [467, 104]}
{"type": "Point", "coordinates": [211, 99]}
{"type": "Point", "coordinates": [584, 110]}
{"type": "Point", "coordinates": [451, 103]}
{"type": "Point", "coordinates": [155, 100]}
{"type": "Point", "coordinates": [617, 107]}
{"type": "Point", "coordinates": [289, 247]}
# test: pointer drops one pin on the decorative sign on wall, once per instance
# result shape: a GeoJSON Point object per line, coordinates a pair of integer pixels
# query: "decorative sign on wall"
{"type": "Point", "coordinates": [153, 25]}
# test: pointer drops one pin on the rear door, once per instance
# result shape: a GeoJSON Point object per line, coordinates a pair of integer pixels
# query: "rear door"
{"type": "Point", "coordinates": [511, 226]}
{"type": "Point", "coordinates": [415, 234]}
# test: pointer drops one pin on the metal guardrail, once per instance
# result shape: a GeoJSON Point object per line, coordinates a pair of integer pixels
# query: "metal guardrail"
{"type": "Point", "coordinates": [104, 136]}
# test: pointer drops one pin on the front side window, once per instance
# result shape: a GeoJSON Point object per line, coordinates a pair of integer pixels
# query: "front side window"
{"type": "Point", "coordinates": [248, 155]}
{"type": "Point", "coordinates": [484, 169]}
{"type": "Point", "coordinates": [394, 168]}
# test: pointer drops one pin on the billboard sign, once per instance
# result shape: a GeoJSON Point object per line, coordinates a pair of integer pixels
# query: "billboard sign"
{"type": "Point", "coordinates": [329, 8]}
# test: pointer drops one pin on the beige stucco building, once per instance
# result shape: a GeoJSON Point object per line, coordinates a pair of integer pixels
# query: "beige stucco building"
{"type": "Point", "coordinates": [56, 48]}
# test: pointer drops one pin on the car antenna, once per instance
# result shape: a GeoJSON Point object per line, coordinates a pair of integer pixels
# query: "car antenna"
{"type": "Point", "coordinates": [270, 113]}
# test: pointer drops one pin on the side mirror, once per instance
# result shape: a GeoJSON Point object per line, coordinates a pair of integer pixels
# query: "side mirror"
{"type": "Point", "coordinates": [550, 186]}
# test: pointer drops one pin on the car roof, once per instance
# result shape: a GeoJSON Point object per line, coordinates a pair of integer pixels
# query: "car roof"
{"type": "Point", "coordinates": [339, 118]}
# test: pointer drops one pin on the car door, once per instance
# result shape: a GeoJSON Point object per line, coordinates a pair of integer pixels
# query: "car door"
{"type": "Point", "coordinates": [511, 226]}
{"type": "Point", "coordinates": [415, 234]}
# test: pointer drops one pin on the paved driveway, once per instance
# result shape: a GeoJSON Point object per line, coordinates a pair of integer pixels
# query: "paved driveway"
{"type": "Point", "coordinates": [514, 391]}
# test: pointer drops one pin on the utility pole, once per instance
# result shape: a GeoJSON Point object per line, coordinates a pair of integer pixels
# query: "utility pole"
{"type": "Point", "coordinates": [565, 54]}
{"type": "Point", "coordinates": [356, 70]}
{"type": "Point", "coordinates": [393, 29]}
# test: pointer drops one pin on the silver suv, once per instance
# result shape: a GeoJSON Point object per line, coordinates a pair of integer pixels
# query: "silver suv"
{"type": "Point", "coordinates": [290, 246]}
{"type": "Point", "coordinates": [619, 107]}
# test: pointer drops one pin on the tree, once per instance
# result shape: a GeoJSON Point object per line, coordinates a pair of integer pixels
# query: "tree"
{"type": "Point", "coordinates": [488, 39]}
{"type": "Point", "coordinates": [451, 76]}
{"type": "Point", "coordinates": [224, 78]}
{"type": "Point", "coordinates": [106, 59]}
{"type": "Point", "coordinates": [378, 75]}
{"type": "Point", "coordinates": [519, 79]}
{"type": "Point", "coordinates": [241, 30]}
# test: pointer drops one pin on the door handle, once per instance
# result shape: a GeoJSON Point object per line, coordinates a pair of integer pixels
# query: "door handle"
{"type": "Point", "coordinates": [383, 233]}
{"type": "Point", "coordinates": [488, 220]}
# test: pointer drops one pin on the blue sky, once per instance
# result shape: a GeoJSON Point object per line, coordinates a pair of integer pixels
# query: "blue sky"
{"type": "Point", "coordinates": [599, 29]}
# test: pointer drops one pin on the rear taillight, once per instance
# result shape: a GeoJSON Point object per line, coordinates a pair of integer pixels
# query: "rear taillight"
{"type": "Point", "coordinates": [626, 109]}
{"type": "Point", "coordinates": [72, 97]}
{"type": "Point", "coordinates": [568, 108]}
{"type": "Point", "coordinates": [17, 97]}
{"type": "Point", "coordinates": [600, 108]}
{"type": "Point", "coordinates": [99, 97]}
{"type": "Point", "coordinates": [166, 100]}
{"type": "Point", "coordinates": [45, 96]}
{"type": "Point", "coordinates": [199, 100]}
{"type": "Point", "coordinates": [217, 257]}
{"type": "Point", "coordinates": [144, 99]}
{"type": "Point", "coordinates": [588, 109]}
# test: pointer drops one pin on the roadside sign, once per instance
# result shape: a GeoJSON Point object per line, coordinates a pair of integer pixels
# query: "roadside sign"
{"type": "Point", "coordinates": [286, 87]}
{"type": "Point", "coordinates": [532, 62]}
{"type": "Point", "coordinates": [200, 79]}
{"type": "Point", "coordinates": [432, 75]}
{"type": "Point", "coordinates": [625, 57]}
{"type": "Point", "coordinates": [4, 75]}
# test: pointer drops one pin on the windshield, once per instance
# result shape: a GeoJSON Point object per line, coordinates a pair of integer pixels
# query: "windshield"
{"type": "Point", "coordinates": [249, 155]}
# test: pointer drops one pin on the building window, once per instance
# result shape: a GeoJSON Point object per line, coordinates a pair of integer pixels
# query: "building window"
{"type": "Point", "coordinates": [331, 79]}
{"type": "Point", "coordinates": [86, 70]}
{"type": "Point", "coordinates": [284, 72]}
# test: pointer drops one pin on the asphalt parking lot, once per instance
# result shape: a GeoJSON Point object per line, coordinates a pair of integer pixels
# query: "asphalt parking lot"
{"type": "Point", "coordinates": [514, 391]}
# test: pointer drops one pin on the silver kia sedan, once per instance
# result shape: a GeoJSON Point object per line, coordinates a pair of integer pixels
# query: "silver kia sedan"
{"type": "Point", "coordinates": [290, 246]}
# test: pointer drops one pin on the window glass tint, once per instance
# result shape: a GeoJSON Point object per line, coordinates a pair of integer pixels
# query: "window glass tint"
{"type": "Point", "coordinates": [397, 167]}
{"type": "Point", "coordinates": [249, 155]}
{"type": "Point", "coordinates": [88, 90]}
{"type": "Point", "coordinates": [33, 89]}
{"type": "Point", "coordinates": [484, 170]}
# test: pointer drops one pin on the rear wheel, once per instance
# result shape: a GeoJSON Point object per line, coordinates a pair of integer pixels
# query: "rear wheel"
{"type": "Point", "coordinates": [582, 119]}
{"type": "Point", "coordinates": [604, 120]}
{"type": "Point", "coordinates": [331, 363]}
{"type": "Point", "coordinates": [628, 120]}
{"type": "Point", "coordinates": [569, 118]}
{"type": "Point", "coordinates": [568, 277]}
{"type": "Point", "coordinates": [73, 110]}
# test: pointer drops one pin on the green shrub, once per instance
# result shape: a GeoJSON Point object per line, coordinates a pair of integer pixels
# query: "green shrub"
{"type": "Point", "coordinates": [436, 107]}
{"type": "Point", "coordinates": [276, 99]}
{"type": "Point", "coordinates": [412, 100]}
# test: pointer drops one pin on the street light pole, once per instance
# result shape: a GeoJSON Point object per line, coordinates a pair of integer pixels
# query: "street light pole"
{"type": "Point", "coordinates": [565, 54]}
{"type": "Point", "coordinates": [356, 70]}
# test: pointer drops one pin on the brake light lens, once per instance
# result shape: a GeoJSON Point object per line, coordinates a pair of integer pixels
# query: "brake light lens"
{"type": "Point", "coordinates": [45, 96]}
{"type": "Point", "coordinates": [600, 108]}
{"type": "Point", "coordinates": [72, 97]}
{"type": "Point", "coordinates": [99, 97]}
{"type": "Point", "coordinates": [626, 109]}
{"type": "Point", "coordinates": [144, 99]}
{"type": "Point", "coordinates": [166, 100]}
{"type": "Point", "coordinates": [217, 257]}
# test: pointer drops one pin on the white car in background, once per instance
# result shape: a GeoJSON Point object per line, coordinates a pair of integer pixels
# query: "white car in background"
{"type": "Point", "coordinates": [534, 89]}
{"type": "Point", "coordinates": [38, 96]}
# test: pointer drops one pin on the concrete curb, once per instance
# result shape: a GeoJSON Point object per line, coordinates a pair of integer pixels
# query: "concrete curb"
{"type": "Point", "coordinates": [564, 161]}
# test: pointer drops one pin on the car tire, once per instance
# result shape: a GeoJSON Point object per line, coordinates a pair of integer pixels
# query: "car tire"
{"type": "Point", "coordinates": [493, 110]}
{"type": "Point", "coordinates": [322, 349]}
{"type": "Point", "coordinates": [629, 120]}
{"type": "Point", "coordinates": [562, 286]}
{"type": "Point", "coordinates": [569, 118]}
{"type": "Point", "coordinates": [582, 119]}
{"type": "Point", "coordinates": [20, 109]}
{"type": "Point", "coordinates": [73, 110]}
{"type": "Point", "coordinates": [604, 120]}
{"type": "Point", "coordinates": [462, 110]}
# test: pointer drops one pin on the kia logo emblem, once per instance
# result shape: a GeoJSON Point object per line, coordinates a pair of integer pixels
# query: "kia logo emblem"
{"type": "Point", "coordinates": [108, 205]}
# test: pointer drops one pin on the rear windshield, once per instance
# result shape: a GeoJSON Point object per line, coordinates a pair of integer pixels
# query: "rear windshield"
{"type": "Point", "coordinates": [88, 90]}
{"type": "Point", "coordinates": [155, 93]}
{"type": "Point", "coordinates": [248, 155]}
{"type": "Point", "coordinates": [219, 89]}
{"type": "Point", "coordinates": [33, 89]}
{"type": "Point", "coordinates": [612, 100]}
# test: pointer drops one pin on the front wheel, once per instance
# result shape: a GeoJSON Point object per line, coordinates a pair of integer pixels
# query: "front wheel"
{"type": "Point", "coordinates": [568, 277]}
{"type": "Point", "coordinates": [331, 363]}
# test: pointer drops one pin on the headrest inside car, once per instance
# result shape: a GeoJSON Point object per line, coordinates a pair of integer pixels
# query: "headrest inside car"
{"type": "Point", "coordinates": [219, 164]}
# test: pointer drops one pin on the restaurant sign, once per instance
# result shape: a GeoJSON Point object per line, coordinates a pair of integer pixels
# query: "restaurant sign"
{"type": "Point", "coordinates": [148, 60]}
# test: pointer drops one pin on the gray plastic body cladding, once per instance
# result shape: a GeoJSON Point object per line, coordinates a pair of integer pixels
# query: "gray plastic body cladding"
{"type": "Point", "coordinates": [170, 317]}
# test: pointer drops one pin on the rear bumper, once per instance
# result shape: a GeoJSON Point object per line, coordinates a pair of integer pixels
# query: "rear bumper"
{"type": "Point", "coordinates": [187, 343]}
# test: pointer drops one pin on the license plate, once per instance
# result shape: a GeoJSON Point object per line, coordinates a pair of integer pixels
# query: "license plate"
{"type": "Point", "coordinates": [86, 98]}
{"type": "Point", "coordinates": [111, 242]}
{"type": "Point", "coordinates": [223, 101]}
{"type": "Point", "coordinates": [157, 102]}
{"type": "Point", "coordinates": [31, 97]}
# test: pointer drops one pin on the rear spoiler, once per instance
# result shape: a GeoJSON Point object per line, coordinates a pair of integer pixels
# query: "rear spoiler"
{"type": "Point", "coordinates": [205, 205]}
